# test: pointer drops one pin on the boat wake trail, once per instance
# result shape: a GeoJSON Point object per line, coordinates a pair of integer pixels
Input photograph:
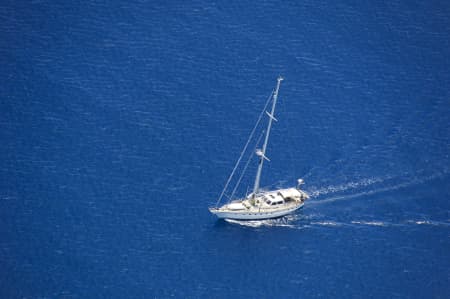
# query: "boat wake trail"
{"type": "Point", "coordinates": [354, 223]}
{"type": "Point", "coordinates": [302, 222]}
{"type": "Point", "coordinates": [368, 186]}
{"type": "Point", "coordinates": [313, 192]}
{"type": "Point", "coordinates": [286, 221]}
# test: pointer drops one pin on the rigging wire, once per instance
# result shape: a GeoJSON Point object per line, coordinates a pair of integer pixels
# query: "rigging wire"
{"type": "Point", "coordinates": [245, 149]}
{"type": "Point", "coordinates": [245, 167]}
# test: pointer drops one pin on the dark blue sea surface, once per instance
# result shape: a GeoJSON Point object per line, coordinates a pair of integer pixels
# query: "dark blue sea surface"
{"type": "Point", "coordinates": [120, 122]}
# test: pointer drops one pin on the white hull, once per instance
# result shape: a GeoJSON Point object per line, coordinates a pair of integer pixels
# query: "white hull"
{"type": "Point", "coordinates": [256, 214]}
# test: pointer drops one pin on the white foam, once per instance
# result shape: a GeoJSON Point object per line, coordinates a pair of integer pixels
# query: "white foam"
{"type": "Point", "coordinates": [327, 223]}
{"type": "Point", "coordinates": [286, 221]}
{"type": "Point", "coordinates": [332, 189]}
{"type": "Point", "coordinates": [373, 223]}
{"type": "Point", "coordinates": [347, 186]}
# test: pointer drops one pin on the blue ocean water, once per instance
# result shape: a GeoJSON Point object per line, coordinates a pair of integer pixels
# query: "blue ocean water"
{"type": "Point", "coordinates": [120, 122]}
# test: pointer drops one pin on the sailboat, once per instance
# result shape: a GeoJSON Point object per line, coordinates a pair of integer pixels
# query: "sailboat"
{"type": "Point", "coordinates": [261, 204]}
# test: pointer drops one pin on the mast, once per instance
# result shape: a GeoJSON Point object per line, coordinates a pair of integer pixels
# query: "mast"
{"type": "Point", "coordinates": [262, 153]}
